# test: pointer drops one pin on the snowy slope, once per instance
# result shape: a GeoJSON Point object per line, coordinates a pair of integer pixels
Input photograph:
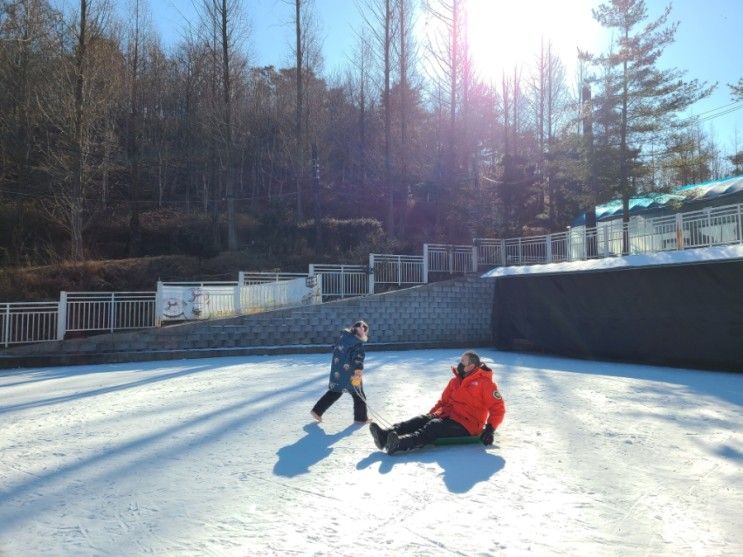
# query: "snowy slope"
{"type": "Point", "coordinates": [216, 457]}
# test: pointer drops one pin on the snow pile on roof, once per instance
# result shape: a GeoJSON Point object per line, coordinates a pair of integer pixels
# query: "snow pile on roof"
{"type": "Point", "coordinates": [648, 201]}
{"type": "Point", "coordinates": [646, 260]}
{"type": "Point", "coordinates": [715, 188]}
{"type": "Point", "coordinates": [652, 200]}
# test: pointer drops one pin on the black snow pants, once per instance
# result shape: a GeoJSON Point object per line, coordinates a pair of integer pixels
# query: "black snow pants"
{"type": "Point", "coordinates": [425, 429]}
{"type": "Point", "coordinates": [359, 406]}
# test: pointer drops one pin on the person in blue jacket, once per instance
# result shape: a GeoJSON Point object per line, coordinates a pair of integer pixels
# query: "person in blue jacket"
{"type": "Point", "coordinates": [345, 373]}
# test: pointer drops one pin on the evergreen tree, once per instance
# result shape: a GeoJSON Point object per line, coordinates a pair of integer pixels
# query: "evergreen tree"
{"type": "Point", "coordinates": [644, 99]}
{"type": "Point", "coordinates": [737, 89]}
{"type": "Point", "coordinates": [737, 158]}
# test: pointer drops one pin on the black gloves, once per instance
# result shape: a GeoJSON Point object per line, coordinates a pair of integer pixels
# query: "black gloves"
{"type": "Point", "coordinates": [487, 435]}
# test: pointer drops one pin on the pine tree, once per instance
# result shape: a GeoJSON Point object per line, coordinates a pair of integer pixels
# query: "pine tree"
{"type": "Point", "coordinates": [645, 99]}
{"type": "Point", "coordinates": [737, 89]}
{"type": "Point", "coordinates": [737, 158]}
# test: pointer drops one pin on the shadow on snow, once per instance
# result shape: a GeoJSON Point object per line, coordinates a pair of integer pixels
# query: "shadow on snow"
{"type": "Point", "coordinates": [297, 458]}
{"type": "Point", "coordinates": [463, 467]}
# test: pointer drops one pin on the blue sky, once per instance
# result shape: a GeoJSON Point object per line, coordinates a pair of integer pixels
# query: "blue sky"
{"type": "Point", "coordinates": [707, 42]}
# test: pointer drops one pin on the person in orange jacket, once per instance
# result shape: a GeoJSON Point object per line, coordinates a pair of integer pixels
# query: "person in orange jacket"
{"type": "Point", "coordinates": [470, 401]}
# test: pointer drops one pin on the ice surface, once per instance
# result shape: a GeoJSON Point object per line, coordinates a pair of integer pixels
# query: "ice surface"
{"type": "Point", "coordinates": [219, 457]}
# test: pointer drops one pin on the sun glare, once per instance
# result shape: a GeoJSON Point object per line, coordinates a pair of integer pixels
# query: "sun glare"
{"type": "Point", "coordinates": [504, 34]}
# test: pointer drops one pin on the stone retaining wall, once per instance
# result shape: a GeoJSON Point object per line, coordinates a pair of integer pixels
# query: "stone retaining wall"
{"type": "Point", "coordinates": [450, 313]}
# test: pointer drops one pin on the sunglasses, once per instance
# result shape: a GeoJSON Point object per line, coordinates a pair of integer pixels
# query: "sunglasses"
{"type": "Point", "coordinates": [362, 325]}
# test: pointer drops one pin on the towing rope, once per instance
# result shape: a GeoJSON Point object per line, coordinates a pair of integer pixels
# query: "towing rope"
{"type": "Point", "coordinates": [376, 415]}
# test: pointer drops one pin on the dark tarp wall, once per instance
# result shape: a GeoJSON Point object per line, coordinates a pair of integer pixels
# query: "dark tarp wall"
{"type": "Point", "coordinates": [687, 315]}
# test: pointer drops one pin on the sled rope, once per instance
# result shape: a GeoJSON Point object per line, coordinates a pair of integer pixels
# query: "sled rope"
{"type": "Point", "coordinates": [376, 415]}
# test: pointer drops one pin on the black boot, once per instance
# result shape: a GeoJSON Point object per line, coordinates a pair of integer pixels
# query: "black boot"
{"type": "Point", "coordinates": [379, 435]}
{"type": "Point", "coordinates": [396, 443]}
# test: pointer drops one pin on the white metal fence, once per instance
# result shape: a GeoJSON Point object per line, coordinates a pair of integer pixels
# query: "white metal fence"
{"type": "Point", "coordinates": [490, 252]}
{"type": "Point", "coordinates": [400, 270]}
{"type": "Point", "coordinates": [179, 301]}
{"type": "Point", "coordinates": [106, 311]}
{"type": "Point", "coordinates": [281, 293]}
{"type": "Point", "coordinates": [704, 228]}
{"type": "Point", "coordinates": [28, 322]}
{"type": "Point", "coordinates": [251, 293]}
{"type": "Point", "coordinates": [250, 278]}
{"type": "Point", "coordinates": [449, 258]}
{"type": "Point", "coordinates": [342, 281]}
{"type": "Point", "coordinates": [23, 322]}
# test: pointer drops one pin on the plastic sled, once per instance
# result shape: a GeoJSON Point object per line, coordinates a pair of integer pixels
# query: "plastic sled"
{"type": "Point", "coordinates": [462, 440]}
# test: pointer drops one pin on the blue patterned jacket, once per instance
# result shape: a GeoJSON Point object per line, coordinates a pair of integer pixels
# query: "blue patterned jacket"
{"type": "Point", "coordinates": [348, 356]}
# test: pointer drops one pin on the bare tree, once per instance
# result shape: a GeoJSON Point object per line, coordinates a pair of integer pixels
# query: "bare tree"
{"type": "Point", "coordinates": [448, 66]}
{"type": "Point", "coordinates": [77, 105]}
{"type": "Point", "coordinates": [222, 19]}
{"type": "Point", "coordinates": [308, 59]}
{"type": "Point", "coordinates": [299, 52]}
{"type": "Point", "coordinates": [387, 48]}
{"type": "Point", "coordinates": [26, 45]}
{"type": "Point", "coordinates": [134, 135]}
{"type": "Point", "coordinates": [550, 101]}
{"type": "Point", "coordinates": [379, 18]}
{"type": "Point", "coordinates": [29, 46]}
{"type": "Point", "coordinates": [406, 58]}
{"type": "Point", "coordinates": [360, 94]}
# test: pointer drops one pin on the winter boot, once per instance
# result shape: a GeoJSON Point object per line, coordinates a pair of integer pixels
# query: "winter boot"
{"type": "Point", "coordinates": [396, 443]}
{"type": "Point", "coordinates": [318, 417]}
{"type": "Point", "coordinates": [379, 435]}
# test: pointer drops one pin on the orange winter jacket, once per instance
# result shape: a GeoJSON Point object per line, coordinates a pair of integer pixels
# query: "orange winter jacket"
{"type": "Point", "coordinates": [472, 401]}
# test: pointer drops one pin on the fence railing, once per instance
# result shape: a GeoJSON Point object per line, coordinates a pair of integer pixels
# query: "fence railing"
{"type": "Point", "coordinates": [28, 322]}
{"type": "Point", "coordinates": [250, 278]}
{"type": "Point", "coordinates": [106, 311]}
{"type": "Point", "coordinates": [342, 281]}
{"type": "Point", "coordinates": [708, 227]}
{"type": "Point", "coordinates": [400, 270]}
{"type": "Point", "coordinates": [23, 322]}
{"type": "Point", "coordinates": [450, 258]}
{"type": "Point", "coordinates": [179, 301]}
{"type": "Point", "coordinates": [490, 251]}
{"type": "Point", "coordinates": [281, 293]}
{"type": "Point", "coordinates": [251, 293]}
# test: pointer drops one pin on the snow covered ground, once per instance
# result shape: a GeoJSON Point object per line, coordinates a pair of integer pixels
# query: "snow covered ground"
{"type": "Point", "coordinates": [216, 457]}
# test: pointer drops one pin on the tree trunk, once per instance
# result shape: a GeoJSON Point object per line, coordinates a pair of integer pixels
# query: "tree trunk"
{"type": "Point", "coordinates": [403, 114]}
{"type": "Point", "coordinates": [135, 229]}
{"type": "Point", "coordinates": [228, 171]}
{"type": "Point", "coordinates": [78, 175]}
{"type": "Point", "coordinates": [299, 163]}
{"type": "Point", "coordinates": [387, 121]}
{"type": "Point", "coordinates": [623, 178]}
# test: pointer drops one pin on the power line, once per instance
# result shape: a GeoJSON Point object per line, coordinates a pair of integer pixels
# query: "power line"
{"type": "Point", "coordinates": [718, 108]}
{"type": "Point", "coordinates": [726, 112]}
